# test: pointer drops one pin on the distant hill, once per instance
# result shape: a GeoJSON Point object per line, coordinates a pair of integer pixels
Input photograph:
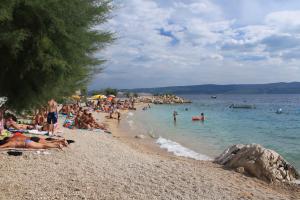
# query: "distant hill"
{"type": "Point", "coordinates": [271, 88]}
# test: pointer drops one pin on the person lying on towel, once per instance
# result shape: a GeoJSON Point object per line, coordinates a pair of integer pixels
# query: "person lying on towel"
{"type": "Point", "coordinates": [19, 140]}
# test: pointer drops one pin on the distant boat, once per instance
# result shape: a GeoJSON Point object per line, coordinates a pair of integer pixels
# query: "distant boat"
{"type": "Point", "coordinates": [279, 111]}
{"type": "Point", "coordinates": [213, 97]}
{"type": "Point", "coordinates": [242, 106]}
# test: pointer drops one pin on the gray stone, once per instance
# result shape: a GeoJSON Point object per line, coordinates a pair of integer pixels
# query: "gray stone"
{"type": "Point", "coordinates": [258, 161]}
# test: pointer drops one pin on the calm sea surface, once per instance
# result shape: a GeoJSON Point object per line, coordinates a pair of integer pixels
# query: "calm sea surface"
{"type": "Point", "coordinates": [225, 126]}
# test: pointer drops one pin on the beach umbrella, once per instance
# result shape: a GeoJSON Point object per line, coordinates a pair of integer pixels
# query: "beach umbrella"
{"type": "Point", "coordinates": [77, 97]}
{"type": "Point", "coordinates": [110, 98]}
{"type": "Point", "coordinates": [111, 95]}
{"type": "Point", "coordinates": [99, 96]}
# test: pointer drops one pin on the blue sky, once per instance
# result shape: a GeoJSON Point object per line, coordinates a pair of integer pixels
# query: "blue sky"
{"type": "Point", "coordinates": [188, 42]}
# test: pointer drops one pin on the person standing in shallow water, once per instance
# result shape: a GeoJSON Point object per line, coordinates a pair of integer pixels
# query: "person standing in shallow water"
{"type": "Point", "coordinates": [52, 115]}
{"type": "Point", "coordinates": [202, 118]}
{"type": "Point", "coordinates": [174, 115]}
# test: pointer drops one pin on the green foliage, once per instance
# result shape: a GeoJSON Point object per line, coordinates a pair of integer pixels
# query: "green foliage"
{"type": "Point", "coordinates": [95, 92]}
{"type": "Point", "coordinates": [109, 91]}
{"type": "Point", "coordinates": [84, 91]}
{"type": "Point", "coordinates": [46, 48]}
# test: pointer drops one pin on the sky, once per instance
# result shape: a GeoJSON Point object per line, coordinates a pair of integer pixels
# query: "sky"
{"type": "Point", "coordinates": [190, 42]}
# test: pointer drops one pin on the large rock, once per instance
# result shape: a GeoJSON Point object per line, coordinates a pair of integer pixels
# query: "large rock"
{"type": "Point", "coordinates": [258, 161]}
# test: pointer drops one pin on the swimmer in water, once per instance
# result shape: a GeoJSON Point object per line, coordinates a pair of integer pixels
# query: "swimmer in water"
{"type": "Point", "coordinates": [202, 118]}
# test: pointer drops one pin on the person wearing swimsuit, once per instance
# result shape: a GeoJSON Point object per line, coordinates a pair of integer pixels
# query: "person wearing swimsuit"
{"type": "Point", "coordinates": [52, 115]}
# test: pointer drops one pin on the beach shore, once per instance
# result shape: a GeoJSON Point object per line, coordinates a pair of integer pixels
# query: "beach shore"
{"type": "Point", "coordinates": [119, 166]}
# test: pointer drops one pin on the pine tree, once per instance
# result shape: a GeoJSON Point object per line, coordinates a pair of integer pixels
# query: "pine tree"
{"type": "Point", "coordinates": [47, 47]}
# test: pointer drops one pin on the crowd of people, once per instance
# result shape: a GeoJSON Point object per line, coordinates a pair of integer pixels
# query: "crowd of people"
{"type": "Point", "coordinates": [80, 118]}
{"type": "Point", "coordinates": [14, 134]}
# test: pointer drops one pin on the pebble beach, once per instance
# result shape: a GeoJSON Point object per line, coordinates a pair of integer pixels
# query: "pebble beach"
{"type": "Point", "coordinates": [108, 166]}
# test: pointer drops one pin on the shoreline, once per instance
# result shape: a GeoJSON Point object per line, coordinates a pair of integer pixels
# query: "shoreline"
{"type": "Point", "coordinates": [150, 142]}
{"type": "Point", "coordinates": [145, 145]}
{"type": "Point", "coordinates": [104, 166]}
{"type": "Point", "coordinates": [149, 146]}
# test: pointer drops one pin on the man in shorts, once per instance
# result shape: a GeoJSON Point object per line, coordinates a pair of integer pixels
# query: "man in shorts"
{"type": "Point", "coordinates": [52, 115]}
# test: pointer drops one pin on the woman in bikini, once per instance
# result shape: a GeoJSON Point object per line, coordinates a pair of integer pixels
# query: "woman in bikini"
{"type": "Point", "coordinates": [19, 140]}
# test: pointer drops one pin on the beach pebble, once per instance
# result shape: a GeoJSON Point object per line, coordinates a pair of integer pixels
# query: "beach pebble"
{"type": "Point", "coordinates": [240, 170]}
{"type": "Point", "coordinates": [140, 136]}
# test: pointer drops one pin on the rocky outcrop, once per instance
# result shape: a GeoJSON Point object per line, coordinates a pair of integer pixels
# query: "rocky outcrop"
{"type": "Point", "coordinates": [258, 161]}
{"type": "Point", "coordinates": [164, 99]}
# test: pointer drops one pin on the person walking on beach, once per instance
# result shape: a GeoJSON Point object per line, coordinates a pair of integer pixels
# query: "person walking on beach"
{"type": "Point", "coordinates": [118, 114]}
{"type": "Point", "coordinates": [52, 115]}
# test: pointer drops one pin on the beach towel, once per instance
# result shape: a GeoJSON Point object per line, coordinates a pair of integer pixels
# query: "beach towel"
{"type": "Point", "coordinates": [37, 132]}
{"type": "Point", "coordinates": [25, 121]}
{"type": "Point", "coordinates": [68, 123]}
{"type": "Point", "coordinates": [16, 130]}
{"type": "Point", "coordinates": [34, 131]}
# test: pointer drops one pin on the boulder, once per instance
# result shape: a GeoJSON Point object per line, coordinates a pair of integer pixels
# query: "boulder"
{"type": "Point", "coordinates": [258, 161]}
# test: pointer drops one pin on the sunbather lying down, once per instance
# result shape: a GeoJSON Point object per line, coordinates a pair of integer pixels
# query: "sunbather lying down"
{"type": "Point", "coordinates": [18, 140]}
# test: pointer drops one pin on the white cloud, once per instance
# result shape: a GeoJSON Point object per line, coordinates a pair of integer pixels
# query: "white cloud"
{"type": "Point", "coordinates": [190, 42]}
{"type": "Point", "coordinates": [284, 19]}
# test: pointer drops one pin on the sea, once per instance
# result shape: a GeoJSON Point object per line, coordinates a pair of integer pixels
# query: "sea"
{"type": "Point", "coordinates": [223, 126]}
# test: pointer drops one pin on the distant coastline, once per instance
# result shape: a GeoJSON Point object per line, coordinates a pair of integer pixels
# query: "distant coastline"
{"type": "Point", "coordinates": [269, 88]}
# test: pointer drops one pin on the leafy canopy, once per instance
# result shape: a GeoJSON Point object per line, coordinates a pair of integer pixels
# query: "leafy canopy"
{"type": "Point", "coordinates": [46, 48]}
{"type": "Point", "coordinates": [107, 92]}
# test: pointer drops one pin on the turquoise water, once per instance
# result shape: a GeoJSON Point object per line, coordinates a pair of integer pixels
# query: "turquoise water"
{"type": "Point", "coordinates": [225, 126]}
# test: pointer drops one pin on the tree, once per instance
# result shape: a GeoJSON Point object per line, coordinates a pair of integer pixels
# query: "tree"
{"type": "Point", "coordinates": [46, 48]}
{"type": "Point", "coordinates": [110, 91]}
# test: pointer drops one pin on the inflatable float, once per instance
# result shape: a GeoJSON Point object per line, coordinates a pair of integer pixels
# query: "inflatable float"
{"type": "Point", "coordinates": [197, 118]}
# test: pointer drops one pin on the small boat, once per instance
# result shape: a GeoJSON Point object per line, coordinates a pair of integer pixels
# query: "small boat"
{"type": "Point", "coordinates": [242, 106]}
{"type": "Point", "coordinates": [279, 111]}
{"type": "Point", "coordinates": [213, 97]}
